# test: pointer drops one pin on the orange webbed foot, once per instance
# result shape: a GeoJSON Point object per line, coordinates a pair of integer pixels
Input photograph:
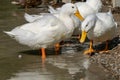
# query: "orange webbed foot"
{"type": "Point", "coordinates": [89, 51]}
{"type": "Point", "coordinates": [104, 51]}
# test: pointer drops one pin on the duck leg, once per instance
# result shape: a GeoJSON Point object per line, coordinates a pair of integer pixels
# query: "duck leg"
{"type": "Point", "coordinates": [106, 48]}
{"type": "Point", "coordinates": [43, 53]}
{"type": "Point", "coordinates": [57, 47]}
{"type": "Point", "coordinates": [90, 50]}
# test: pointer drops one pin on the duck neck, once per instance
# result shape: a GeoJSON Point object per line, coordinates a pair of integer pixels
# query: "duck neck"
{"type": "Point", "coordinates": [67, 21]}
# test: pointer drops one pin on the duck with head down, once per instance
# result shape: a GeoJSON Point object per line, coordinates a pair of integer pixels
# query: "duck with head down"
{"type": "Point", "coordinates": [98, 28]}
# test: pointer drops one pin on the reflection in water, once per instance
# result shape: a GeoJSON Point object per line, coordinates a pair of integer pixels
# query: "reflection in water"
{"type": "Point", "coordinates": [64, 64]}
{"type": "Point", "coordinates": [86, 63]}
{"type": "Point", "coordinates": [60, 67]}
{"type": "Point", "coordinates": [34, 71]}
{"type": "Point", "coordinates": [32, 76]}
{"type": "Point", "coordinates": [68, 62]}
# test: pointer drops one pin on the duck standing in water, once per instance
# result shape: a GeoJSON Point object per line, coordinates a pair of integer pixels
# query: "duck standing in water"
{"type": "Point", "coordinates": [46, 31]}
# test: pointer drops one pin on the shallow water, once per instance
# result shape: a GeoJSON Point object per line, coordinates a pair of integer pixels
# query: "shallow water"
{"type": "Point", "coordinates": [18, 62]}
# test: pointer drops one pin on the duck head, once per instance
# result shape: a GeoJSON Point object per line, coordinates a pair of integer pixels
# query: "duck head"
{"type": "Point", "coordinates": [87, 25]}
{"type": "Point", "coordinates": [70, 8]}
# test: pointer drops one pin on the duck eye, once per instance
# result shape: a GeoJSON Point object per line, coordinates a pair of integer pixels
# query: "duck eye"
{"type": "Point", "coordinates": [86, 25]}
{"type": "Point", "coordinates": [72, 6]}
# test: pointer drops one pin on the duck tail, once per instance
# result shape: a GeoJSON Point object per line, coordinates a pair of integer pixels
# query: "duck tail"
{"type": "Point", "coordinates": [110, 11]}
{"type": "Point", "coordinates": [9, 33]}
{"type": "Point", "coordinates": [116, 24]}
{"type": "Point", "coordinates": [51, 9]}
{"type": "Point", "coordinates": [28, 17]}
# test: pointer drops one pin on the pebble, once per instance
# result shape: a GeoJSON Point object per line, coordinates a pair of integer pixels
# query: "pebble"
{"type": "Point", "coordinates": [19, 56]}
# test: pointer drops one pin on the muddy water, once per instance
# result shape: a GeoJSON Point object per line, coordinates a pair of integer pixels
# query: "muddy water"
{"type": "Point", "coordinates": [18, 62]}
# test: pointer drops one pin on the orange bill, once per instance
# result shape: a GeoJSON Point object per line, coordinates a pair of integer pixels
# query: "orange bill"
{"type": "Point", "coordinates": [83, 37]}
{"type": "Point", "coordinates": [79, 15]}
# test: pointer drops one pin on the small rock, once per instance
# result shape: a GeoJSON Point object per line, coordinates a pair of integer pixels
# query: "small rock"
{"type": "Point", "coordinates": [19, 56]}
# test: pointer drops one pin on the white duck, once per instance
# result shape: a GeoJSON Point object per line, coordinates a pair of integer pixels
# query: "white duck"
{"type": "Point", "coordinates": [46, 31]}
{"type": "Point", "coordinates": [98, 27]}
{"type": "Point", "coordinates": [88, 7]}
